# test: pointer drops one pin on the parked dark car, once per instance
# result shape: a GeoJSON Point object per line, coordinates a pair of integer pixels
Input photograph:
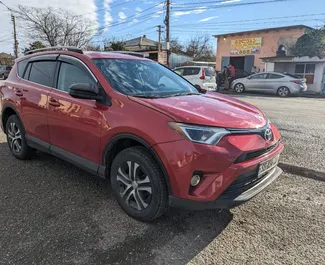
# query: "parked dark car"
{"type": "Point", "coordinates": [4, 71]}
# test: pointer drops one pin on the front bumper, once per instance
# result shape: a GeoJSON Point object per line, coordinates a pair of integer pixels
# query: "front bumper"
{"type": "Point", "coordinates": [234, 159]}
{"type": "Point", "coordinates": [226, 201]}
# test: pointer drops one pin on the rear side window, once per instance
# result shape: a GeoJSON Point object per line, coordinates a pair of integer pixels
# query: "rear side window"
{"type": "Point", "coordinates": [42, 73]}
{"type": "Point", "coordinates": [179, 71]}
{"type": "Point", "coordinates": [209, 72]}
{"type": "Point", "coordinates": [21, 67]}
{"type": "Point", "coordinates": [71, 74]}
{"type": "Point", "coordinates": [191, 71]}
{"type": "Point", "coordinates": [274, 76]}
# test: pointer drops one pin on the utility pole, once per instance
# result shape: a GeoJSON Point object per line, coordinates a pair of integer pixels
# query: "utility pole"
{"type": "Point", "coordinates": [167, 20]}
{"type": "Point", "coordinates": [13, 19]}
{"type": "Point", "coordinates": [159, 38]}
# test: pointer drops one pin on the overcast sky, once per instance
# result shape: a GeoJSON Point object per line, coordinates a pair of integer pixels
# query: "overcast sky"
{"type": "Point", "coordinates": [133, 18]}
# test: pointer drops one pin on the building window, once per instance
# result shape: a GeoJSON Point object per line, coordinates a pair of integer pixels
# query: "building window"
{"type": "Point", "coordinates": [306, 71]}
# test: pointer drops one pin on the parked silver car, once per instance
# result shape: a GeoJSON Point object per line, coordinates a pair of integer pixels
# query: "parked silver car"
{"type": "Point", "coordinates": [270, 82]}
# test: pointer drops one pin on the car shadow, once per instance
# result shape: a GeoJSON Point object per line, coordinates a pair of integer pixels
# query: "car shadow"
{"type": "Point", "coordinates": [55, 213]}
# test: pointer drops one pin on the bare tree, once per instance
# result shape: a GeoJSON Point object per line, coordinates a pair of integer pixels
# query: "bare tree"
{"type": "Point", "coordinates": [55, 26]}
{"type": "Point", "coordinates": [200, 48]}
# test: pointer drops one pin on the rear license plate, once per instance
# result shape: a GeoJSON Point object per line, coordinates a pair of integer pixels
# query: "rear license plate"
{"type": "Point", "coordinates": [268, 165]}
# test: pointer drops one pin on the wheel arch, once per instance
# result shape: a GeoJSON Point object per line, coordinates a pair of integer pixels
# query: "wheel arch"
{"type": "Point", "coordinates": [123, 141]}
{"type": "Point", "coordinates": [7, 111]}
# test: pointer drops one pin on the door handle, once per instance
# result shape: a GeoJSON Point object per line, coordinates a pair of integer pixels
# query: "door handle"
{"type": "Point", "coordinates": [19, 93]}
{"type": "Point", "coordinates": [54, 103]}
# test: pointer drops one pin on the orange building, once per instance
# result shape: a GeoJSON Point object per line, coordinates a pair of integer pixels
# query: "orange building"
{"type": "Point", "coordinates": [244, 50]}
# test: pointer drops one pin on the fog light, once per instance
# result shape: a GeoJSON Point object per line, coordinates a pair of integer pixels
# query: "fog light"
{"type": "Point", "coordinates": [195, 180]}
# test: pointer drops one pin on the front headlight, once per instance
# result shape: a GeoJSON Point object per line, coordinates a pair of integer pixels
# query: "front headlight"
{"type": "Point", "coordinates": [199, 134]}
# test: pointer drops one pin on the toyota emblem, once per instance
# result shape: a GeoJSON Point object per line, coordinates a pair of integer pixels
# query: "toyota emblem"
{"type": "Point", "coordinates": [268, 135]}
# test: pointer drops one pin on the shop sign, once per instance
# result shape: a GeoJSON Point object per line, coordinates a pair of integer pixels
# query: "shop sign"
{"type": "Point", "coordinates": [246, 46]}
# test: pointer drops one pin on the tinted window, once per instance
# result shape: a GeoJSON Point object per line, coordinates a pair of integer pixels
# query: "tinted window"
{"type": "Point", "coordinates": [259, 76]}
{"type": "Point", "coordinates": [274, 76]}
{"type": "Point", "coordinates": [209, 72]}
{"type": "Point", "coordinates": [26, 75]}
{"type": "Point", "coordinates": [42, 73]}
{"type": "Point", "coordinates": [21, 67]}
{"type": "Point", "coordinates": [143, 78]}
{"type": "Point", "coordinates": [70, 74]}
{"type": "Point", "coordinates": [290, 75]}
{"type": "Point", "coordinates": [191, 71]}
{"type": "Point", "coordinates": [179, 71]}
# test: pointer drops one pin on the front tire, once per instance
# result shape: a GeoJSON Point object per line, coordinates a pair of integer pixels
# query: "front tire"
{"type": "Point", "coordinates": [139, 184]}
{"type": "Point", "coordinates": [239, 88]}
{"type": "Point", "coordinates": [283, 92]}
{"type": "Point", "coordinates": [16, 138]}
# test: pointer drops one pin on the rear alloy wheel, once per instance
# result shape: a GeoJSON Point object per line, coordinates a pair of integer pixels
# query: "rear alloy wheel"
{"type": "Point", "coordinates": [17, 143]}
{"type": "Point", "coordinates": [283, 91]}
{"type": "Point", "coordinates": [139, 184]}
{"type": "Point", "coordinates": [239, 88]}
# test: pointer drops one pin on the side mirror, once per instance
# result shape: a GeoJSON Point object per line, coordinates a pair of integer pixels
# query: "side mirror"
{"type": "Point", "coordinates": [200, 89]}
{"type": "Point", "coordinates": [84, 91]}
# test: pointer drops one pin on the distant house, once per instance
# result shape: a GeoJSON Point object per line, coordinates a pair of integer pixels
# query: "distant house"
{"type": "Point", "coordinates": [6, 59]}
{"type": "Point", "coordinates": [150, 49]}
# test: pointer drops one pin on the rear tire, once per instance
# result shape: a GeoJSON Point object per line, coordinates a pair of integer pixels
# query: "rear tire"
{"type": "Point", "coordinates": [138, 184]}
{"type": "Point", "coordinates": [283, 91]}
{"type": "Point", "coordinates": [16, 139]}
{"type": "Point", "coordinates": [239, 88]}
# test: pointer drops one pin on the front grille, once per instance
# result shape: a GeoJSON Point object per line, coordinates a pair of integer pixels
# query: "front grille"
{"type": "Point", "coordinates": [243, 183]}
{"type": "Point", "coordinates": [255, 154]}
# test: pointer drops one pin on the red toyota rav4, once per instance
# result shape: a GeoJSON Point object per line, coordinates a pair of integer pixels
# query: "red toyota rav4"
{"type": "Point", "coordinates": [140, 125]}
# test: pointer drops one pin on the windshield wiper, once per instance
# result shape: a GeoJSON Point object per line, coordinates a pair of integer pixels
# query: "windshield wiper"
{"type": "Point", "coordinates": [184, 94]}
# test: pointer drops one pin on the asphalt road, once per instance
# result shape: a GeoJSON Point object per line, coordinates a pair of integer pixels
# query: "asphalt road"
{"type": "Point", "coordinates": [53, 213]}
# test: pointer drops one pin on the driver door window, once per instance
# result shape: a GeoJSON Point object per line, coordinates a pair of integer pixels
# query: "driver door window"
{"type": "Point", "coordinates": [70, 74]}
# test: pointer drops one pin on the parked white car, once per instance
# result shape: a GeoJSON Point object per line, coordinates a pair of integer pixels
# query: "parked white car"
{"type": "Point", "coordinates": [203, 76]}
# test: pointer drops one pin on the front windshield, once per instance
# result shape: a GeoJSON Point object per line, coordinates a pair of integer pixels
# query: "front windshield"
{"type": "Point", "coordinates": [142, 78]}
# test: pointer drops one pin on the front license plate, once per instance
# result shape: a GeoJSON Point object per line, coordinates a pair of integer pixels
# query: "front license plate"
{"type": "Point", "coordinates": [268, 165]}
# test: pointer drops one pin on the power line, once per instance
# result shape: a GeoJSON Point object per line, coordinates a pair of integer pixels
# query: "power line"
{"type": "Point", "coordinates": [178, 9]}
{"type": "Point", "coordinates": [216, 25]}
{"type": "Point", "coordinates": [259, 19]}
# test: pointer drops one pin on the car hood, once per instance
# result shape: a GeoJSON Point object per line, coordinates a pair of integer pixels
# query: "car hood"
{"type": "Point", "coordinates": [210, 109]}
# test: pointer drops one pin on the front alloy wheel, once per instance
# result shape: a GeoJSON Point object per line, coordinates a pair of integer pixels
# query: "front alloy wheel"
{"type": "Point", "coordinates": [139, 184]}
{"type": "Point", "coordinates": [134, 185]}
{"type": "Point", "coordinates": [239, 88]}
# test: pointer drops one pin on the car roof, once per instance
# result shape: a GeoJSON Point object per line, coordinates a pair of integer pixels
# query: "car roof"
{"type": "Point", "coordinates": [89, 54]}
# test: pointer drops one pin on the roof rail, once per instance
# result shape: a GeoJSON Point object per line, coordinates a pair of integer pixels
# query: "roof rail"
{"type": "Point", "coordinates": [57, 48]}
{"type": "Point", "coordinates": [137, 54]}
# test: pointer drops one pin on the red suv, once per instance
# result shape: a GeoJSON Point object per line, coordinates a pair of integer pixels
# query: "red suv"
{"type": "Point", "coordinates": [140, 125]}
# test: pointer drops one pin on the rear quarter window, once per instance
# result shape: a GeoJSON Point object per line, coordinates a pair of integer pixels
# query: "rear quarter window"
{"type": "Point", "coordinates": [21, 67]}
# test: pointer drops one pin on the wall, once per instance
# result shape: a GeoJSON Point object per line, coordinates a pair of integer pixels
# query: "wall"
{"type": "Point", "coordinates": [317, 86]}
{"type": "Point", "coordinates": [290, 68]}
{"type": "Point", "coordinates": [270, 43]}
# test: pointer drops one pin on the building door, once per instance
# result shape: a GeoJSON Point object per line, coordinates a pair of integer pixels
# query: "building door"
{"type": "Point", "coordinates": [249, 63]}
{"type": "Point", "coordinates": [225, 60]}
